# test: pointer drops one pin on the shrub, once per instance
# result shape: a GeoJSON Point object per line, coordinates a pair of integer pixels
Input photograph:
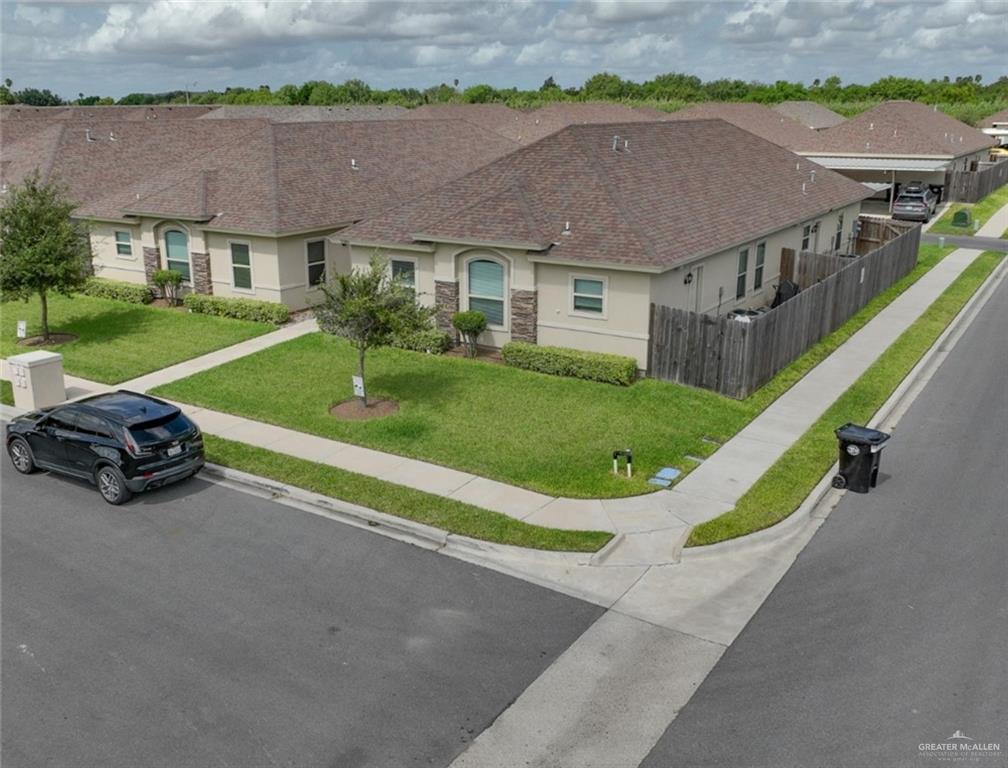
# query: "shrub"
{"type": "Point", "coordinates": [470, 324]}
{"type": "Point", "coordinates": [431, 340]}
{"type": "Point", "coordinates": [239, 309]}
{"type": "Point", "coordinates": [561, 361]}
{"type": "Point", "coordinates": [168, 282]}
{"type": "Point", "coordinates": [118, 290]}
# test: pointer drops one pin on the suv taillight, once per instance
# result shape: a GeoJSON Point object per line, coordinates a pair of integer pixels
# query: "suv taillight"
{"type": "Point", "coordinates": [131, 445]}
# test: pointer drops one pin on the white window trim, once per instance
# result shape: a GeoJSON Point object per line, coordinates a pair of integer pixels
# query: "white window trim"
{"type": "Point", "coordinates": [604, 279]}
{"type": "Point", "coordinates": [416, 270]}
{"type": "Point", "coordinates": [325, 262]}
{"type": "Point", "coordinates": [231, 265]}
{"type": "Point", "coordinates": [744, 275]}
{"type": "Point", "coordinates": [115, 241]}
{"type": "Point", "coordinates": [758, 266]}
{"type": "Point", "coordinates": [164, 238]}
{"type": "Point", "coordinates": [506, 326]}
{"type": "Point", "coordinates": [804, 237]}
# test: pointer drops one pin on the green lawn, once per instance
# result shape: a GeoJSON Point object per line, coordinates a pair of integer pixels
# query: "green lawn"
{"type": "Point", "coordinates": [118, 341]}
{"type": "Point", "coordinates": [6, 392]}
{"type": "Point", "coordinates": [446, 514]}
{"type": "Point", "coordinates": [790, 480]}
{"type": "Point", "coordinates": [981, 211]}
{"type": "Point", "coordinates": [545, 433]}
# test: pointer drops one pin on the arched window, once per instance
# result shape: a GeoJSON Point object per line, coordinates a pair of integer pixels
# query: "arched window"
{"type": "Point", "coordinates": [177, 252]}
{"type": "Point", "coordinates": [486, 289]}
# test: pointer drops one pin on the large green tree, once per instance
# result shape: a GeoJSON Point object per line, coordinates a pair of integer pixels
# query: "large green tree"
{"type": "Point", "coordinates": [368, 307]}
{"type": "Point", "coordinates": [42, 249]}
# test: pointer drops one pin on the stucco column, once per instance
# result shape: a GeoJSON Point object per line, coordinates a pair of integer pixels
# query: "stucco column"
{"type": "Point", "coordinates": [446, 299]}
{"type": "Point", "coordinates": [524, 308]}
{"type": "Point", "coordinates": [201, 281]}
{"type": "Point", "coordinates": [152, 263]}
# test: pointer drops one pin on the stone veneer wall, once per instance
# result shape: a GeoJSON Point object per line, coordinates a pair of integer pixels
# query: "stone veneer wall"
{"type": "Point", "coordinates": [524, 306]}
{"type": "Point", "coordinates": [201, 281]}
{"type": "Point", "coordinates": [446, 298]}
{"type": "Point", "coordinates": [152, 263]}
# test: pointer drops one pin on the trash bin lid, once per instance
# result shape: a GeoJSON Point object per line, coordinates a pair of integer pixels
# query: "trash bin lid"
{"type": "Point", "coordinates": [852, 433]}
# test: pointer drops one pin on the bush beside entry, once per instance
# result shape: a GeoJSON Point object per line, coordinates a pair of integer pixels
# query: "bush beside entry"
{"type": "Point", "coordinates": [168, 282]}
{"type": "Point", "coordinates": [119, 290]}
{"type": "Point", "coordinates": [561, 361]}
{"type": "Point", "coordinates": [470, 324]}
{"type": "Point", "coordinates": [429, 340]}
{"type": "Point", "coordinates": [239, 309]}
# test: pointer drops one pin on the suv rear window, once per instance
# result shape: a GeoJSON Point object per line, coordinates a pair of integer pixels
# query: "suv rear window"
{"type": "Point", "coordinates": [161, 430]}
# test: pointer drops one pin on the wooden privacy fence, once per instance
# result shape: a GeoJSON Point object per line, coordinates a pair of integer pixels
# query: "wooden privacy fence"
{"type": "Point", "coordinates": [736, 358]}
{"type": "Point", "coordinates": [970, 186]}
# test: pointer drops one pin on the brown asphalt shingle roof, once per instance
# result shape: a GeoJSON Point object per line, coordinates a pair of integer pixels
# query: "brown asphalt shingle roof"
{"type": "Point", "coordinates": [307, 114]}
{"type": "Point", "coordinates": [900, 129]}
{"type": "Point", "coordinates": [105, 113]}
{"type": "Point", "coordinates": [665, 199]}
{"type": "Point", "coordinates": [249, 175]}
{"type": "Point", "coordinates": [755, 118]}
{"type": "Point", "coordinates": [810, 114]}
{"type": "Point", "coordinates": [492, 117]}
{"type": "Point", "coordinates": [998, 117]}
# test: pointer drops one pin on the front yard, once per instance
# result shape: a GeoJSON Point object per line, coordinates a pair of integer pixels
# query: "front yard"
{"type": "Point", "coordinates": [981, 211]}
{"type": "Point", "coordinates": [545, 433]}
{"type": "Point", "coordinates": [117, 341]}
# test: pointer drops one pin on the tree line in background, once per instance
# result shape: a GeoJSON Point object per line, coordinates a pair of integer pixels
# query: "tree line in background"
{"type": "Point", "coordinates": [966, 97]}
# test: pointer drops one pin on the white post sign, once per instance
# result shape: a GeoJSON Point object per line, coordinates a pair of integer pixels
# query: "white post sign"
{"type": "Point", "coordinates": [22, 329]}
{"type": "Point", "coordinates": [358, 386]}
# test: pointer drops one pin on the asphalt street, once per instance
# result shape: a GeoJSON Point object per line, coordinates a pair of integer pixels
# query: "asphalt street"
{"type": "Point", "coordinates": [968, 241]}
{"type": "Point", "coordinates": [890, 631]}
{"type": "Point", "coordinates": [200, 626]}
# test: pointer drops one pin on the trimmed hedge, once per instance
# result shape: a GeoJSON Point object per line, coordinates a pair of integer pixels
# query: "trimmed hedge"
{"type": "Point", "coordinates": [561, 361]}
{"type": "Point", "coordinates": [119, 290]}
{"type": "Point", "coordinates": [239, 309]}
{"type": "Point", "coordinates": [431, 341]}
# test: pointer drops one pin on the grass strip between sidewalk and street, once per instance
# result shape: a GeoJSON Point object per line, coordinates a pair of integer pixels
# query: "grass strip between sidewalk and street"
{"type": "Point", "coordinates": [791, 479]}
{"type": "Point", "coordinates": [447, 514]}
{"type": "Point", "coordinates": [981, 211]}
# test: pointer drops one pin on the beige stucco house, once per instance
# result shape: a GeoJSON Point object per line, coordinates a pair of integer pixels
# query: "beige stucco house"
{"type": "Point", "coordinates": [568, 241]}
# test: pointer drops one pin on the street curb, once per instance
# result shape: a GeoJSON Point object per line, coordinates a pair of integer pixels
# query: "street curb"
{"type": "Point", "coordinates": [820, 502]}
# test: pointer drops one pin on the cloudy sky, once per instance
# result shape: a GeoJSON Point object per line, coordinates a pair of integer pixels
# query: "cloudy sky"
{"type": "Point", "coordinates": [116, 48]}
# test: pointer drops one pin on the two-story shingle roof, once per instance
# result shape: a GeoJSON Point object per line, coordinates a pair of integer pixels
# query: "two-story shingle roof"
{"type": "Point", "coordinates": [645, 195]}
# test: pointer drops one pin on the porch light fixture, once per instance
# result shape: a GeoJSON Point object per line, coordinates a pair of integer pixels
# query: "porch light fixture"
{"type": "Point", "coordinates": [688, 278]}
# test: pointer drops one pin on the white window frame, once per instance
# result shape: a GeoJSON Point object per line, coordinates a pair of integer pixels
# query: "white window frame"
{"type": "Point", "coordinates": [604, 279]}
{"type": "Point", "coordinates": [806, 237]}
{"type": "Point", "coordinates": [743, 273]}
{"type": "Point", "coordinates": [325, 262]}
{"type": "Point", "coordinates": [231, 266]}
{"type": "Point", "coordinates": [164, 239]}
{"type": "Point", "coordinates": [115, 237]}
{"type": "Point", "coordinates": [416, 270]}
{"type": "Point", "coordinates": [838, 239]}
{"type": "Point", "coordinates": [759, 267]}
{"type": "Point", "coordinates": [506, 266]}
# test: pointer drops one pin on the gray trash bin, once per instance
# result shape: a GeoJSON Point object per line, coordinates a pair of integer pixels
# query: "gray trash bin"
{"type": "Point", "coordinates": [860, 456]}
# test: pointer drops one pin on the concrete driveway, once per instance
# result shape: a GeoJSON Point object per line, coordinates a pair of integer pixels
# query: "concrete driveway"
{"type": "Point", "coordinates": [199, 626]}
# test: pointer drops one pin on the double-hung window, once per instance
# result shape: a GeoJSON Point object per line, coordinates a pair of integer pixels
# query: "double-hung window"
{"type": "Point", "coordinates": [124, 243]}
{"type": "Point", "coordinates": [316, 262]}
{"type": "Point", "coordinates": [743, 271]}
{"type": "Point", "coordinates": [806, 237]}
{"type": "Point", "coordinates": [760, 259]}
{"type": "Point", "coordinates": [486, 290]}
{"type": "Point", "coordinates": [177, 245]}
{"type": "Point", "coordinates": [839, 233]}
{"type": "Point", "coordinates": [241, 266]}
{"type": "Point", "coordinates": [404, 273]}
{"type": "Point", "coordinates": [588, 296]}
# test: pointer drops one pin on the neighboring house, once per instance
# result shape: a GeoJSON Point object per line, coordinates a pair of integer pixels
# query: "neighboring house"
{"type": "Point", "coordinates": [492, 117]}
{"type": "Point", "coordinates": [240, 207]}
{"type": "Point", "coordinates": [810, 114]}
{"type": "Point", "coordinates": [104, 113]}
{"type": "Point", "coordinates": [896, 142]}
{"type": "Point", "coordinates": [996, 126]}
{"type": "Point", "coordinates": [307, 114]}
{"type": "Point", "coordinates": [752, 117]}
{"type": "Point", "coordinates": [568, 240]}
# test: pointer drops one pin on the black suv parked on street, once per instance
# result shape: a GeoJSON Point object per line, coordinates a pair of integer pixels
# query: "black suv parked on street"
{"type": "Point", "coordinates": [123, 442]}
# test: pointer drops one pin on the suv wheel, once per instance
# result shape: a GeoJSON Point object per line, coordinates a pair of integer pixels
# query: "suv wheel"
{"type": "Point", "coordinates": [112, 485]}
{"type": "Point", "coordinates": [21, 455]}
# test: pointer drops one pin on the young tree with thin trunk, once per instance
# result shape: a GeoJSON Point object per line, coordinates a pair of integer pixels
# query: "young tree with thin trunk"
{"type": "Point", "coordinates": [368, 307]}
{"type": "Point", "coordinates": [42, 249]}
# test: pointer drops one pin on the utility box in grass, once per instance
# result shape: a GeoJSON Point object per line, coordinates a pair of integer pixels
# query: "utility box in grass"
{"type": "Point", "coordinates": [961, 219]}
{"type": "Point", "coordinates": [37, 379]}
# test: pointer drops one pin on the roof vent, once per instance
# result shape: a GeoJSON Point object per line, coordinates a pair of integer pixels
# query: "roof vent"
{"type": "Point", "coordinates": [803, 190]}
{"type": "Point", "coordinates": [615, 143]}
{"type": "Point", "coordinates": [626, 144]}
{"type": "Point", "coordinates": [353, 165]}
{"type": "Point", "coordinates": [566, 229]}
{"type": "Point", "coordinates": [87, 133]}
{"type": "Point", "coordinates": [871, 126]}
{"type": "Point", "coordinates": [112, 136]}
{"type": "Point", "coordinates": [797, 166]}
{"type": "Point", "coordinates": [3, 189]}
{"type": "Point", "coordinates": [812, 176]}
{"type": "Point", "coordinates": [867, 145]}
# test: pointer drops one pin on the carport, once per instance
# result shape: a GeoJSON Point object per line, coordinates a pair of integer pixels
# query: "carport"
{"type": "Point", "coordinates": [889, 173]}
